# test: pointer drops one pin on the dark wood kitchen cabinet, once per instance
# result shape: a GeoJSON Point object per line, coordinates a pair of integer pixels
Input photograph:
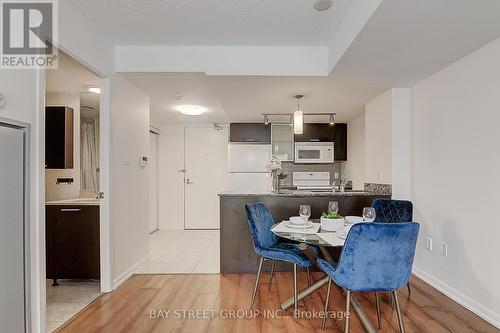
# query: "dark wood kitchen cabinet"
{"type": "Point", "coordinates": [337, 134]}
{"type": "Point", "coordinates": [72, 242]}
{"type": "Point", "coordinates": [58, 137]}
{"type": "Point", "coordinates": [249, 133]}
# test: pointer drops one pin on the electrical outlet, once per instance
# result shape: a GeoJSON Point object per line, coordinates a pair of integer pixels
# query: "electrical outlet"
{"type": "Point", "coordinates": [336, 175]}
{"type": "Point", "coordinates": [444, 249]}
{"type": "Point", "coordinates": [428, 243]}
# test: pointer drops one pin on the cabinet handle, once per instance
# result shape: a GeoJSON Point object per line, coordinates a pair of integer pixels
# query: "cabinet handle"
{"type": "Point", "coordinates": [314, 140]}
{"type": "Point", "coordinates": [71, 209]}
{"type": "Point", "coordinates": [249, 140]}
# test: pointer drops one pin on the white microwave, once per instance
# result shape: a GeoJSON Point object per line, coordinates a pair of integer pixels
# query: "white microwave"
{"type": "Point", "coordinates": [313, 152]}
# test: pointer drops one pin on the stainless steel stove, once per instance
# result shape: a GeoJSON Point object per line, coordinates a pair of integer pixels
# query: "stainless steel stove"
{"type": "Point", "coordinates": [312, 181]}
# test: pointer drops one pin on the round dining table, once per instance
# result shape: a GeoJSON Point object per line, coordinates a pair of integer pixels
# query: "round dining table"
{"type": "Point", "coordinates": [305, 240]}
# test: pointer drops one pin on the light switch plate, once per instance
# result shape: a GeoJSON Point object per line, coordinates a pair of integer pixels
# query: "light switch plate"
{"type": "Point", "coordinates": [428, 243]}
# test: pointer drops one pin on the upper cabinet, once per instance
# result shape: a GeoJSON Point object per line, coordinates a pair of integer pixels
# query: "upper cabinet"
{"type": "Point", "coordinates": [282, 141]}
{"type": "Point", "coordinates": [250, 133]}
{"type": "Point", "coordinates": [326, 133]}
{"type": "Point", "coordinates": [58, 137]}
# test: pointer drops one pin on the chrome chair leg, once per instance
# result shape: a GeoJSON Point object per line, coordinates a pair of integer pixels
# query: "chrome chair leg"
{"type": "Point", "coordinates": [295, 291]}
{"type": "Point", "coordinates": [257, 282]}
{"type": "Point", "coordinates": [271, 273]}
{"type": "Point", "coordinates": [308, 276]}
{"type": "Point", "coordinates": [377, 303]}
{"type": "Point", "coordinates": [327, 300]}
{"type": "Point", "coordinates": [347, 314]}
{"type": "Point", "coordinates": [398, 311]}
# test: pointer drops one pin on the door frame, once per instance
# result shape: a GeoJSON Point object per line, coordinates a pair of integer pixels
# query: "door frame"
{"type": "Point", "coordinates": [156, 131]}
{"type": "Point", "coordinates": [106, 278]}
{"type": "Point", "coordinates": [25, 129]}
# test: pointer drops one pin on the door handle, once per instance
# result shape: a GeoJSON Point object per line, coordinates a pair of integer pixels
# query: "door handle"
{"type": "Point", "coordinates": [71, 209]}
{"type": "Point", "coordinates": [182, 170]}
{"type": "Point", "coordinates": [189, 181]}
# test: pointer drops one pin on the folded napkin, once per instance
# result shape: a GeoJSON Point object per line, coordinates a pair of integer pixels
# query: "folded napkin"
{"type": "Point", "coordinates": [331, 238]}
{"type": "Point", "coordinates": [283, 228]}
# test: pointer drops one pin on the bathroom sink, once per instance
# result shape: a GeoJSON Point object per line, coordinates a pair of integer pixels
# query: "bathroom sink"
{"type": "Point", "coordinates": [76, 201]}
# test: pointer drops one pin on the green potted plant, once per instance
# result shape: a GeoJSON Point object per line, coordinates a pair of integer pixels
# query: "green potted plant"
{"type": "Point", "coordinates": [332, 221]}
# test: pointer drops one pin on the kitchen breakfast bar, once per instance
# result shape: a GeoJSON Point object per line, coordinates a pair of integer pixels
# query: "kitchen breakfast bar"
{"type": "Point", "coordinates": [237, 254]}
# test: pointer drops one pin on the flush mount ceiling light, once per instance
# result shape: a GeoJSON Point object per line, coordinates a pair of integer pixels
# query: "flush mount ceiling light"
{"type": "Point", "coordinates": [191, 110]}
{"type": "Point", "coordinates": [321, 5]}
{"type": "Point", "coordinates": [94, 89]}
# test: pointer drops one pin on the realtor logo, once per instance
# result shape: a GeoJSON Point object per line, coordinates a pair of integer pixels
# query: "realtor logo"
{"type": "Point", "coordinates": [29, 29]}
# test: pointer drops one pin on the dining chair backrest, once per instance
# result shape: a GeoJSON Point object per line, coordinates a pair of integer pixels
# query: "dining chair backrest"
{"type": "Point", "coordinates": [377, 256]}
{"type": "Point", "coordinates": [393, 211]}
{"type": "Point", "coordinates": [260, 222]}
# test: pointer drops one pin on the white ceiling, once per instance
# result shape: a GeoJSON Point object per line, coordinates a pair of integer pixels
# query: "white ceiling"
{"type": "Point", "coordinates": [213, 22]}
{"type": "Point", "coordinates": [402, 43]}
{"type": "Point", "coordinates": [70, 76]}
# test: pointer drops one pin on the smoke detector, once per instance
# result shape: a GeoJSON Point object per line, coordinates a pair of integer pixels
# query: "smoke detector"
{"type": "Point", "coordinates": [321, 5]}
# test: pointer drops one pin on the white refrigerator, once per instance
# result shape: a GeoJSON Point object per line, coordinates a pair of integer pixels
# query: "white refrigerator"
{"type": "Point", "coordinates": [248, 171]}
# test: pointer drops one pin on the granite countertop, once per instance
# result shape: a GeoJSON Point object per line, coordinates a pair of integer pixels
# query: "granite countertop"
{"type": "Point", "coordinates": [291, 193]}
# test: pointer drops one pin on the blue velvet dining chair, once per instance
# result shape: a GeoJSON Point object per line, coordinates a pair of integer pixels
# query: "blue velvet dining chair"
{"type": "Point", "coordinates": [267, 246]}
{"type": "Point", "coordinates": [393, 211]}
{"type": "Point", "coordinates": [376, 257]}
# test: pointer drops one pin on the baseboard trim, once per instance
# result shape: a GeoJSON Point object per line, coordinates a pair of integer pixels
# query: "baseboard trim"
{"type": "Point", "coordinates": [128, 273]}
{"type": "Point", "coordinates": [459, 297]}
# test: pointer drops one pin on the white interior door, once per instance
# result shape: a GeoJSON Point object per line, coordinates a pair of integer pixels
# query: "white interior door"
{"type": "Point", "coordinates": [153, 181]}
{"type": "Point", "coordinates": [12, 231]}
{"type": "Point", "coordinates": [206, 175]}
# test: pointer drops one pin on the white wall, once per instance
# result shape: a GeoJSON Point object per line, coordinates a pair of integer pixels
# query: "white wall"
{"type": "Point", "coordinates": [24, 102]}
{"type": "Point", "coordinates": [65, 191]}
{"type": "Point", "coordinates": [378, 136]}
{"type": "Point", "coordinates": [354, 167]}
{"type": "Point", "coordinates": [171, 190]}
{"type": "Point", "coordinates": [456, 181]}
{"type": "Point", "coordinates": [130, 189]}
{"type": "Point", "coordinates": [401, 143]}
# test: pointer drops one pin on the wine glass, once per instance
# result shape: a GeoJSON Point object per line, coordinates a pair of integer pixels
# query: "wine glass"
{"type": "Point", "coordinates": [305, 212]}
{"type": "Point", "coordinates": [333, 207]}
{"type": "Point", "coordinates": [369, 214]}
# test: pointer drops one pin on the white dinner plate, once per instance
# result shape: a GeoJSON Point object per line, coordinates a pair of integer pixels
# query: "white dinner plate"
{"type": "Point", "coordinates": [342, 235]}
{"type": "Point", "coordinates": [353, 219]}
{"type": "Point", "coordinates": [308, 225]}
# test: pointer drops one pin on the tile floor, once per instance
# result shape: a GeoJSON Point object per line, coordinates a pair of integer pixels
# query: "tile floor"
{"type": "Point", "coordinates": [67, 299]}
{"type": "Point", "coordinates": [183, 251]}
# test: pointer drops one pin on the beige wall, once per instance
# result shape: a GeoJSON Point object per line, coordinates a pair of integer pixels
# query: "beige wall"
{"type": "Point", "coordinates": [378, 139]}
{"type": "Point", "coordinates": [65, 191]}
{"type": "Point", "coordinates": [455, 177]}
{"type": "Point", "coordinates": [354, 167]}
{"type": "Point", "coordinates": [130, 191]}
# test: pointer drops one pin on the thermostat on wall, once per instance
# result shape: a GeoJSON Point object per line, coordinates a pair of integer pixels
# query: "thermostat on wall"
{"type": "Point", "coordinates": [144, 161]}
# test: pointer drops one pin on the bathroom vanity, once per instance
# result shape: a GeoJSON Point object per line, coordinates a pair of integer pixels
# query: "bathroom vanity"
{"type": "Point", "coordinates": [72, 239]}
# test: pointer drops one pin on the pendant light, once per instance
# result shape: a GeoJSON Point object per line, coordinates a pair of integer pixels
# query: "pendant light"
{"type": "Point", "coordinates": [298, 117]}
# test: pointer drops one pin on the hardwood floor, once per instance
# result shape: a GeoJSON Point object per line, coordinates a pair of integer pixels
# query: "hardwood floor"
{"type": "Point", "coordinates": [128, 309]}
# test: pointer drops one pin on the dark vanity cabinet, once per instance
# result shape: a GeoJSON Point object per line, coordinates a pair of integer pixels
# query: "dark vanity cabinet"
{"type": "Point", "coordinates": [249, 133]}
{"type": "Point", "coordinates": [337, 134]}
{"type": "Point", "coordinates": [72, 242]}
{"type": "Point", "coordinates": [58, 137]}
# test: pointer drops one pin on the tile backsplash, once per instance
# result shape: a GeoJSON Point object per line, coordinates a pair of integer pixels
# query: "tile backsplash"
{"type": "Point", "coordinates": [290, 167]}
